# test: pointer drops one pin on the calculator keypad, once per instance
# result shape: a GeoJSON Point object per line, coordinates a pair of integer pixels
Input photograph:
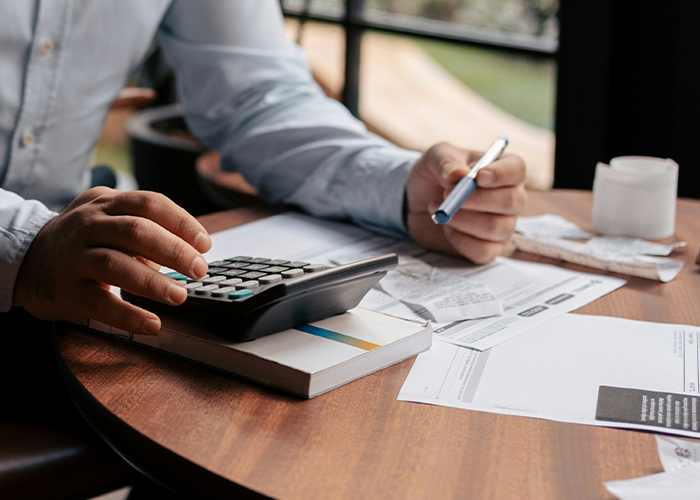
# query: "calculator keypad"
{"type": "Point", "coordinates": [242, 276]}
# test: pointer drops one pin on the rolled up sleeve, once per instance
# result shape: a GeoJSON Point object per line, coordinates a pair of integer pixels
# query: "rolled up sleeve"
{"type": "Point", "coordinates": [249, 94]}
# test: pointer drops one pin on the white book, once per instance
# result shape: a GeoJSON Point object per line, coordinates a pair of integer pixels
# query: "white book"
{"type": "Point", "coordinates": [307, 361]}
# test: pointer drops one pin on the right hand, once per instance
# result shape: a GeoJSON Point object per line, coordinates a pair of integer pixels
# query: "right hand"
{"type": "Point", "coordinates": [108, 237]}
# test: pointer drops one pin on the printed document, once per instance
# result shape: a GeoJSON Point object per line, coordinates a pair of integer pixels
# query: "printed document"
{"type": "Point", "coordinates": [674, 454]}
{"type": "Point", "coordinates": [593, 370]}
{"type": "Point", "coordinates": [530, 293]}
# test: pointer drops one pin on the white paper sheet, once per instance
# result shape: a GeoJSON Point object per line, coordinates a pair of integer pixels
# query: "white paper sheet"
{"type": "Point", "coordinates": [531, 293]}
{"type": "Point", "coordinates": [654, 268]}
{"type": "Point", "coordinates": [565, 370]}
{"type": "Point", "coordinates": [549, 226]}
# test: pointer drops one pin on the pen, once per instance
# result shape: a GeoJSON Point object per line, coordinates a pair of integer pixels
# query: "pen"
{"type": "Point", "coordinates": [466, 186]}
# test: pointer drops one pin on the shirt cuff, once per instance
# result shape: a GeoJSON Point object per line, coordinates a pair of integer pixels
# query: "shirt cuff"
{"type": "Point", "coordinates": [19, 225]}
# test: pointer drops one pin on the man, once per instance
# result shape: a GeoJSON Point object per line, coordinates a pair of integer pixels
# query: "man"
{"type": "Point", "coordinates": [247, 93]}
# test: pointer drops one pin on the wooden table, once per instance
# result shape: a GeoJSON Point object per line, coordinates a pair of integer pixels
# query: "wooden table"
{"type": "Point", "coordinates": [212, 435]}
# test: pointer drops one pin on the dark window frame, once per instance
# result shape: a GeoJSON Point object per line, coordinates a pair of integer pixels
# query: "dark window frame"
{"type": "Point", "coordinates": [355, 20]}
{"type": "Point", "coordinates": [605, 90]}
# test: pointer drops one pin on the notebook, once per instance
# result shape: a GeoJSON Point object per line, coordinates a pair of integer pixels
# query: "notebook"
{"type": "Point", "coordinates": [306, 361]}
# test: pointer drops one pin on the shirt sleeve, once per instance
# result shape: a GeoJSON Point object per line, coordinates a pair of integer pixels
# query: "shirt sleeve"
{"type": "Point", "coordinates": [20, 221]}
{"type": "Point", "coordinates": [248, 93]}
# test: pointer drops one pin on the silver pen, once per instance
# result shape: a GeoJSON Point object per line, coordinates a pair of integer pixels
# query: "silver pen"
{"type": "Point", "coordinates": [467, 184]}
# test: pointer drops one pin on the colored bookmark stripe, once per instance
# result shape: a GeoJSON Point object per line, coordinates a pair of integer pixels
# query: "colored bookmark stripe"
{"type": "Point", "coordinates": [338, 337]}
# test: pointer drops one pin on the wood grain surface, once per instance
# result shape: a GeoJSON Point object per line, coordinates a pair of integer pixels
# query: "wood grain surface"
{"type": "Point", "coordinates": [358, 442]}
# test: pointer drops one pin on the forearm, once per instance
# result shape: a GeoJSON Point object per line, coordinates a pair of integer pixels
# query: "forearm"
{"type": "Point", "coordinates": [259, 107]}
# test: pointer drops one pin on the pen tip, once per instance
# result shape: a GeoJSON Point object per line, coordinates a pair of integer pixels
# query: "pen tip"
{"type": "Point", "coordinates": [435, 221]}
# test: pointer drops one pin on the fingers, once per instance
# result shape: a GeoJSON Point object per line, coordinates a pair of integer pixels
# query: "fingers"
{"type": "Point", "coordinates": [477, 250]}
{"type": "Point", "coordinates": [503, 201]}
{"type": "Point", "coordinates": [145, 238]}
{"type": "Point", "coordinates": [483, 225]}
{"type": "Point", "coordinates": [109, 266]}
{"type": "Point", "coordinates": [509, 170]}
{"type": "Point", "coordinates": [164, 212]}
{"type": "Point", "coordinates": [101, 305]}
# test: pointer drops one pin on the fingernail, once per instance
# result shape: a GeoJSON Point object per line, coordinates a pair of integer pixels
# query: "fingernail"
{"type": "Point", "coordinates": [202, 242]}
{"type": "Point", "coordinates": [177, 294]}
{"type": "Point", "coordinates": [486, 177]}
{"type": "Point", "coordinates": [200, 267]}
{"type": "Point", "coordinates": [151, 326]}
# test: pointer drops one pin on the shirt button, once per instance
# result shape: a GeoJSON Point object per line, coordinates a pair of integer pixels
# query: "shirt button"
{"type": "Point", "coordinates": [28, 138]}
{"type": "Point", "coordinates": [47, 46]}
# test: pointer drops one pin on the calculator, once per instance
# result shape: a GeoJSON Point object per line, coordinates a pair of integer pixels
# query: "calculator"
{"type": "Point", "coordinates": [243, 298]}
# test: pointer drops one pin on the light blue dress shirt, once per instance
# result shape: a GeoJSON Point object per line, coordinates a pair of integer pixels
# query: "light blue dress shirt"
{"type": "Point", "coordinates": [245, 91]}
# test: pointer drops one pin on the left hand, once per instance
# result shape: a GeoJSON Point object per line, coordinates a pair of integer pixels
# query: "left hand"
{"type": "Point", "coordinates": [483, 226]}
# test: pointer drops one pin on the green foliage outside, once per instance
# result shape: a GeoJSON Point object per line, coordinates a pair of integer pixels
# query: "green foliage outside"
{"type": "Point", "coordinates": [522, 86]}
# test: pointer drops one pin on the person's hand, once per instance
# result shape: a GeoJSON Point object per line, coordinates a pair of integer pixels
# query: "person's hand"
{"type": "Point", "coordinates": [108, 237]}
{"type": "Point", "coordinates": [483, 226]}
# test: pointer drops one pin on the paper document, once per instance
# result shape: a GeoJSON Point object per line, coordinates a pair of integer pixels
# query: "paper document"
{"type": "Point", "coordinates": [592, 370]}
{"type": "Point", "coordinates": [549, 226]}
{"type": "Point", "coordinates": [681, 484]}
{"type": "Point", "coordinates": [674, 454]}
{"type": "Point", "coordinates": [654, 268]}
{"type": "Point", "coordinates": [445, 297]}
{"type": "Point", "coordinates": [531, 293]}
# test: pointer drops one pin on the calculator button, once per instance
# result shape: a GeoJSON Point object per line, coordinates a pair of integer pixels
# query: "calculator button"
{"type": "Point", "coordinates": [215, 270]}
{"type": "Point", "coordinates": [270, 278]}
{"type": "Point", "coordinates": [247, 284]}
{"type": "Point", "coordinates": [276, 262]}
{"type": "Point", "coordinates": [296, 264]}
{"type": "Point", "coordinates": [251, 275]}
{"type": "Point", "coordinates": [214, 280]}
{"type": "Point", "coordinates": [192, 280]}
{"type": "Point", "coordinates": [292, 273]}
{"type": "Point", "coordinates": [256, 267]}
{"type": "Point", "coordinates": [235, 265]}
{"type": "Point", "coordinates": [193, 285]}
{"type": "Point", "coordinates": [314, 268]}
{"type": "Point", "coordinates": [239, 294]}
{"type": "Point", "coordinates": [177, 276]}
{"type": "Point", "coordinates": [218, 263]}
{"type": "Point", "coordinates": [204, 290]}
{"type": "Point", "coordinates": [258, 260]}
{"type": "Point", "coordinates": [223, 292]}
{"type": "Point", "coordinates": [276, 269]}
{"type": "Point", "coordinates": [240, 257]}
{"type": "Point", "coordinates": [232, 272]}
{"type": "Point", "coordinates": [229, 282]}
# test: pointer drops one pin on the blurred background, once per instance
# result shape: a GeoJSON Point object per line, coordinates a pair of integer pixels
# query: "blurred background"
{"type": "Point", "coordinates": [606, 78]}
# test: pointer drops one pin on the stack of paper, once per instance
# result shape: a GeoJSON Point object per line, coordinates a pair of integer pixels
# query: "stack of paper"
{"type": "Point", "coordinates": [547, 235]}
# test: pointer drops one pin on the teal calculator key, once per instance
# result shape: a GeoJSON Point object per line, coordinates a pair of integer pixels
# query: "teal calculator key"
{"type": "Point", "coordinates": [176, 276]}
{"type": "Point", "coordinates": [239, 294]}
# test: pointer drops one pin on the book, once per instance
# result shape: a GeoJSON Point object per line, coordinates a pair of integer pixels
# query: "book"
{"type": "Point", "coordinates": [307, 361]}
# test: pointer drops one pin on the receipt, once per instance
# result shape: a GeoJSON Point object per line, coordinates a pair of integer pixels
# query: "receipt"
{"type": "Point", "coordinates": [681, 484]}
{"type": "Point", "coordinates": [675, 453]}
{"type": "Point", "coordinates": [549, 226]}
{"type": "Point", "coordinates": [446, 298]}
{"type": "Point", "coordinates": [632, 246]}
{"type": "Point", "coordinates": [654, 268]}
{"type": "Point", "coordinates": [681, 477]}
